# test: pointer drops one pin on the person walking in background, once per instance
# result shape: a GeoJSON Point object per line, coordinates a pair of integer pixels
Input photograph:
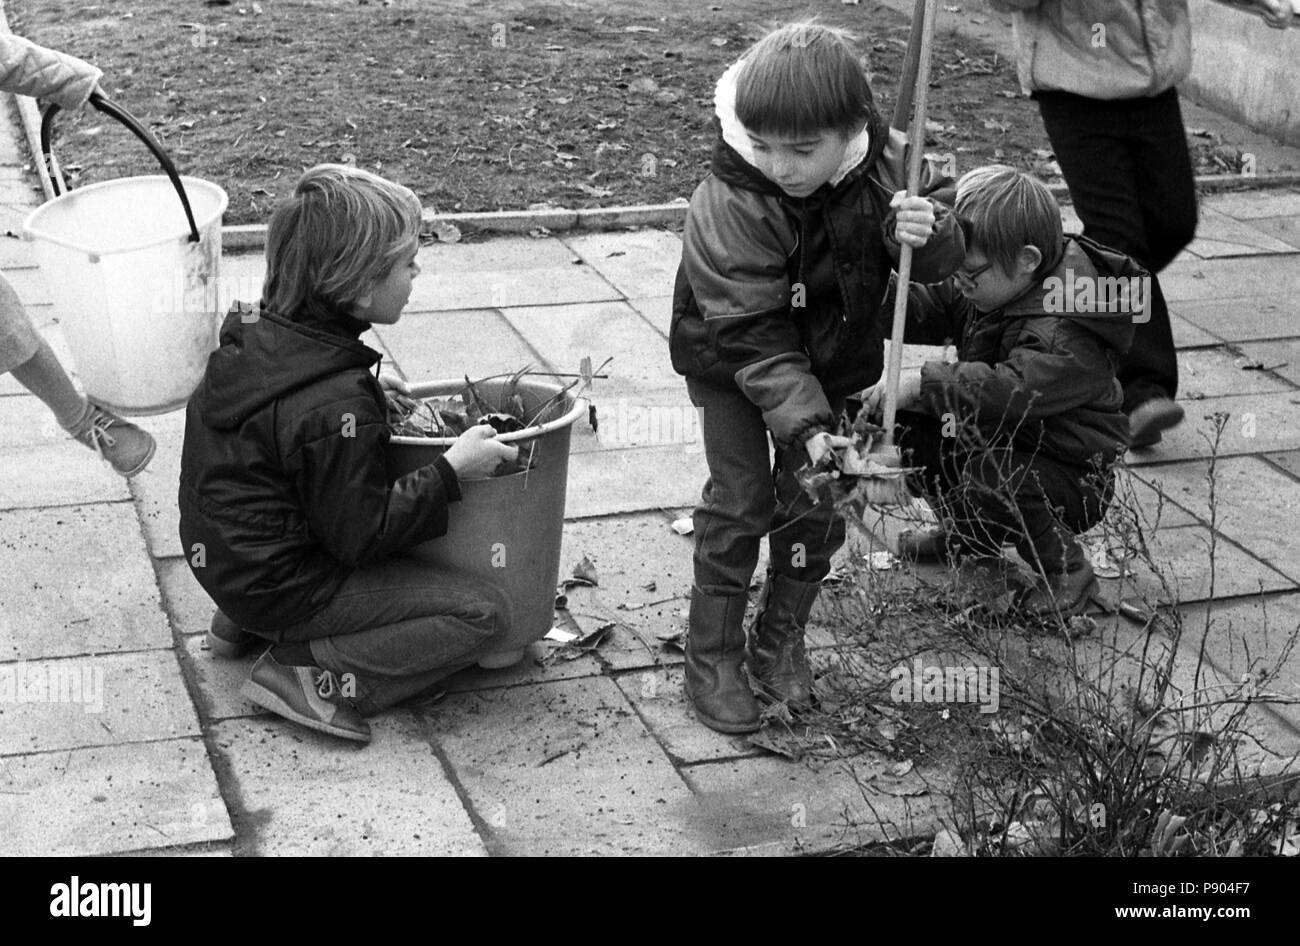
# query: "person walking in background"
{"type": "Point", "coordinates": [1104, 75]}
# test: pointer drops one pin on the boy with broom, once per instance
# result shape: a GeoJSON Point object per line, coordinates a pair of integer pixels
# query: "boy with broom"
{"type": "Point", "coordinates": [786, 255]}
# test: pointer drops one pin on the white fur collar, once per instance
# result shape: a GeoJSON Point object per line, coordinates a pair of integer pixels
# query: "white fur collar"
{"type": "Point", "coordinates": [733, 132]}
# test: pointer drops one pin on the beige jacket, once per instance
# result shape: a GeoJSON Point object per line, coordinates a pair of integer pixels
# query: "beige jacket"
{"type": "Point", "coordinates": [29, 69]}
{"type": "Point", "coordinates": [1104, 49]}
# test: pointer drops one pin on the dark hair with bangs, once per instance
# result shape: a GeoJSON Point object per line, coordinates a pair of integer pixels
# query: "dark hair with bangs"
{"type": "Point", "coordinates": [1004, 210]}
{"type": "Point", "coordinates": [803, 79]}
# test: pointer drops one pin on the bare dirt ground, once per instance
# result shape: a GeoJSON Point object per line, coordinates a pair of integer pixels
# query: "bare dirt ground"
{"type": "Point", "coordinates": [475, 104]}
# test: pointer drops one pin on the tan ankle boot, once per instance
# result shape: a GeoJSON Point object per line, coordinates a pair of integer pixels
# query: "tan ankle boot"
{"type": "Point", "coordinates": [122, 444]}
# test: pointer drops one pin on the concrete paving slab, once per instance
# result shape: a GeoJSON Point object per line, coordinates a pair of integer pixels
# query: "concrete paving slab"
{"type": "Point", "coordinates": [31, 286]}
{"type": "Point", "coordinates": [154, 491]}
{"type": "Point", "coordinates": [1252, 205]}
{"type": "Point", "coordinates": [1257, 506]}
{"type": "Point", "coordinates": [630, 552]}
{"type": "Point", "coordinates": [110, 799]}
{"type": "Point", "coordinates": [1218, 235]}
{"type": "Point", "coordinates": [1159, 510]}
{"type": "Point", "coordinates": [499, 254]}
{"type": "Point", "coordinates": [498, 289]}
{"type": "Point", "coordinates": [78, 581]}
{"type": "Point", "coordinates": [1243, 318]}
{"type": "Point", "coordinates": [108, 699]}
{"type": "Point", "coordinates": [1257, 423]}
{"type": "Point", "coordinates": [1212, 372]}
{"type": "Point", "coordinates": [539, 665]}
{"type": "Point", "coordinates": [637, 263]}
{"type": "Point", "coordinates": [1280, 357]}
{"type": "Point", "coordinates": [1239, 278]}
{"type": "Point", "coordinates": [657, 310]}
{"type": "Point", "coordinates": [567, 768]}
{"type": "Point", "coordinates": [770, 800]}
{"type": "Point", "coordinates": [188, 606]}
{"type": "Point", "coordinates": [216, 683]}
{"type": "Point", "coordinates": [1183, 557]}
{"type": "Point", "coordinates": [1290, 462]}
{"type": "Point", "coordinates": [632, 636]}
{"type": "Point", "coordinates": [58, 343]}
{"type": "Point", "coordinates": [294, 792]}
{"type": "Point", "coordinates": [479, 343]}
{"type": "Point", "coordinates": [613, 481]}
{"type": "Point", "coordinates": [1187, 335]}
{"type": "Point", "coordinates": [564, 334]}
{"type": "Point", "coordinates": [44, 316]}
{"type": "Point", "coordinates": [659, 699]}
{"type": "Point", "coordinates": [1284, 229]}
{"type": "Point", "coordinates": [1251, 636]}
{"type": "Point", "coordinates": [15, 253]}
{"type": "Point", "coordinates": [56, 474]}
{"type": "Point", "coordinates": [25, 421]}
{"type": "Point", "coordinates": [240, 280]}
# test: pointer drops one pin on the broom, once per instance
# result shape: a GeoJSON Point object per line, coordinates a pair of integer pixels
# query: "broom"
{"type": "Point", "coordinates": [890, 488]}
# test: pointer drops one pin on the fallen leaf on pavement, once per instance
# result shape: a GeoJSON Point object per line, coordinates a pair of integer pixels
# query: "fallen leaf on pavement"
{"type": "Point", "coordinates": [584, 573]}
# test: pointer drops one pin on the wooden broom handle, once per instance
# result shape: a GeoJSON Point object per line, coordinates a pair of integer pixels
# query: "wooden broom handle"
{"type": "Point", "coordinates": [915, 158]}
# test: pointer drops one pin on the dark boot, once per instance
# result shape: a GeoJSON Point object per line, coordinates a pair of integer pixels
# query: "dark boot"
{"type": "Point", "coordinates": [715, 664]}
{"type": "Point", "coordinates": [777, 660]}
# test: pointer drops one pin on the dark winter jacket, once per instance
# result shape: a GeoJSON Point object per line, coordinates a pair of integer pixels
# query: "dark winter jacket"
{"type": "Point", "coordinates": [284, 489]}
{"type": "Point", "coordinates": [780, 296]}
{"type": "Point", "coordinates": [1029, 371]}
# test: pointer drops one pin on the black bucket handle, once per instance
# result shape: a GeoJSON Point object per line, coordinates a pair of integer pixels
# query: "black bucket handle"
{"type": "Point", "coordinates": [114, 110]}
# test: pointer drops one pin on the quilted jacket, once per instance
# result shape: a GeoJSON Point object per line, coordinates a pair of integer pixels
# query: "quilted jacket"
{"type": "Point", "coordinates": [1103, 49]}
{"type": "Point", "coordinates": [29, 69]}
{"type": "Point", "coordinates": [1040, 371]}
{"type": "Point", "coordinates": [779, 296]}
{"type": "Point", "coordinates": [284, 487]}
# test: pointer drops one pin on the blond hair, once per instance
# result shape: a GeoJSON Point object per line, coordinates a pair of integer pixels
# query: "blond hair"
{"type": "Point", "coordinates": [342, 230]}
{"type": "Point", "coordinates": [803, 79]}
{"type": "Point", "coordinates": [1004, 210]}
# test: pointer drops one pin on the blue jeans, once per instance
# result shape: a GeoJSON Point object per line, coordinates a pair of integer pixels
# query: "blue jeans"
{"type": "Point", "coordinates": [399, 626]}
{"type": "Point", "coordinates": [748, 495]}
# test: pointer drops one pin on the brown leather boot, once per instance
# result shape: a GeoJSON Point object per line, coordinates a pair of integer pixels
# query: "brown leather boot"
{"type": "Point", "coordinates": [777, 659]}
{"type": "Point", "coordinates": [715, 664]}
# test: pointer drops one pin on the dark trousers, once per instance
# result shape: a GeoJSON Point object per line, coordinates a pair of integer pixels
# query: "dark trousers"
{"type": "Point", "coordinates": [748, 495]}
{"type": "Point", "coordinates": [1130, 177]}
{"type": "Point", "coordinates": [990, 495]}
{"type": "Point", "coordinates": [400, 625]}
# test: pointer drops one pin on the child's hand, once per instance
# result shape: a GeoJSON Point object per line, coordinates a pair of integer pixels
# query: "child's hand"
{"type": "Point", "coordinates": [477, 452]}
{"type": "Point", "coordinates": [818, 445]}
{"type": "Point", "coordinates": [915, 219]}
{"type": "Point", "coordinates": [909, 393]}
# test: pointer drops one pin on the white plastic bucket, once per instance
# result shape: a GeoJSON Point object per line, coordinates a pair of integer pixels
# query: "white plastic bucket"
{"type": "Point", "coordinates": [136, 297]}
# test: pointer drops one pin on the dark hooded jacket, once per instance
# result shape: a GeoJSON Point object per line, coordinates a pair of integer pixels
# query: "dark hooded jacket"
{"type": "Point", "coordinates": [780, 296]}
{"type": "Point", "coordinates": [284, 489]}
{"type": "Point", "coordinates": [1040, 370]}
